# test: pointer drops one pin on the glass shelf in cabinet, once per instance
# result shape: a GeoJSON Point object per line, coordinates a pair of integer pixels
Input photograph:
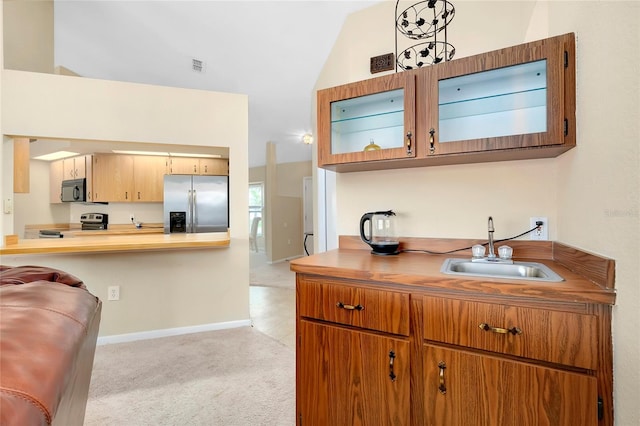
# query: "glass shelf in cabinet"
{"type": "Point", "coordinates": [368, 105]}
{"type": "Point", "coordinates": [369, 123]}
{"type": "Point", "coordinates": [532, 98]}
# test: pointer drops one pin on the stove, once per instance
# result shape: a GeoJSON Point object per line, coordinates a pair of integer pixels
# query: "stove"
{"type": "Point", "coordinates": [94, 221]}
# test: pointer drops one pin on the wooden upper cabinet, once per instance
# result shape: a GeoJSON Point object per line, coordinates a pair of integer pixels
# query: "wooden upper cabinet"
{"type": "Point", "coordinates": [515, 98]}
{"type": "Point", "coordinates": [112, 178]}
{"type": "Point", "coordinates": [510, 104]}
{"type": "Point", "coordinates": [214, 166]}
{"type": "Point", "coordinates": [21, 167]}
{"type": "Point", "coordinates": [75, 167]}
{"type": "Point", "coordinates": [367, 121]}
{"type": "Point", "coordinates": [56, 176]}
{"type": "Point", "coordinates": [148, 178]}
{"type": "Point", "coordinates": [198, 166]}
{"type": "Point", "coordinates": [183, 166]}
{"type": "Point", "coordinates": [128, 178]}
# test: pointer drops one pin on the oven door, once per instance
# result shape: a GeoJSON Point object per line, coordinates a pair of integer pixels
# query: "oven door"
{"type": "Point", "coordinates": [73, 190]}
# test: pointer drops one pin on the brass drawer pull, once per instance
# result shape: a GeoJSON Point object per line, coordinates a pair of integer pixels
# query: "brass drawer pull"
{"type": "Point", "coordinates": [442, 388]}
{"type": "Point", "coordinates": [392, 375]}
{"type": "Point", "coordinates": [350, 307]}
{"type": "Point", "coordinates": [409, 143]}
{"type": "Point", "coordinates": [512, 330]}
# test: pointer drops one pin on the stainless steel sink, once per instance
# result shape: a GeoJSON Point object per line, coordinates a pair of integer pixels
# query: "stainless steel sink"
{"type": "Point", "coordinates": [517, 270]}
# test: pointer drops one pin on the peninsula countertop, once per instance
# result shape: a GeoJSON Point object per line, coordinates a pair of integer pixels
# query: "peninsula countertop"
{"type": "Point", "coordinates": [117, 243]}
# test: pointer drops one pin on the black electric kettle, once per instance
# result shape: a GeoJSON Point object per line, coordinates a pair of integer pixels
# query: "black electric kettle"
{"type": "Point", "coordinates": [381, 232]}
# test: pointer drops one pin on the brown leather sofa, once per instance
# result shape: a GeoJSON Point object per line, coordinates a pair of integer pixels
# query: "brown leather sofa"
{"type": "Point", "coordinates": [48, 331]}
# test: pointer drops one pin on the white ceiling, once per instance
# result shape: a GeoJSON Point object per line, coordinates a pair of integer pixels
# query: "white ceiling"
{"type": "Point", "coordinates": [272, 51]}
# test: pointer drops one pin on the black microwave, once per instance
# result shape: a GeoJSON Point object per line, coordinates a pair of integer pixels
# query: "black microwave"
{"type": "Point", "coordinates": [74, 190]}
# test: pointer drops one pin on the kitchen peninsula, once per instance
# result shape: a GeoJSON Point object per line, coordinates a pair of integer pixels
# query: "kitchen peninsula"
{"type": "Point", "coordinates": [118, 243]}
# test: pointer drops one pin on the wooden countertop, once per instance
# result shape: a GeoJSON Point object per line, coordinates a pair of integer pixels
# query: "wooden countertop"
{"type": "Point", "coordinates": [421, 271]}
{"type": "Point", "coordinates": [117, 243]}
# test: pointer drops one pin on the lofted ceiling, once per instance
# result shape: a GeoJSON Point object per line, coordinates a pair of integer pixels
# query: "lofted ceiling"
{"type": "Point", "coordinates": [272, 51]}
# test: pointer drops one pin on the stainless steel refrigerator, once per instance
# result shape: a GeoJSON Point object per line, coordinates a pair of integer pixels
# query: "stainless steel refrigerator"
{"type": "Point", "coordinates": [196, 203]}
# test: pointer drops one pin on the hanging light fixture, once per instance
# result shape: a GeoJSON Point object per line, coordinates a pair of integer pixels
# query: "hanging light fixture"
{"type": "Point", "coordinates": [423, 21]}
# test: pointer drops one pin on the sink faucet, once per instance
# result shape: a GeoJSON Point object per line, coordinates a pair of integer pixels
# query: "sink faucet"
{"type": "Point", "coordinates": [492, 251]}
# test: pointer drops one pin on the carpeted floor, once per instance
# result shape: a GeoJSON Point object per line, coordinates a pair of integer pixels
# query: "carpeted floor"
{"type": "Point", "coordinates": [228, 377]}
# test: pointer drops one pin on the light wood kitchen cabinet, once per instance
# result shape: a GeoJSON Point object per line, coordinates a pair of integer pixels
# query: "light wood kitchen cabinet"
{"type": "Point", "coordinates": [350, 375]}
{"type": "Point", "coordinates": [148, 178]}
{"type": "Point", "coordinates": [128, 178]}
{"type": "Point", "coordinates": [68, 169]}
{"type": "Point", "coordinates": [213, 166]}
{"type": "Point", "coordinates": [183, 166]}
{"type": "Point", "coordinates": [510, 104]}
{"type": "Point", "coordinates": [76, 167]}
{"type": "Point", "coordinates": [21, 169]}
{"type": "Point", "coordinates": [198, 166]}
{"type": "Point", "coordinates": [56, 176]}
{"type": "Point", "coordinates": [112, 178]}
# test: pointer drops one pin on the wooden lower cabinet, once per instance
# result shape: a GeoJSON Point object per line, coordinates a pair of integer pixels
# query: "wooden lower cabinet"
{"type": "Point", "coordinates": [456, 360]}
{"type": "Point", "coordinates": [351, 377]}
{"type": "Point", "coordinates": [465, 388]}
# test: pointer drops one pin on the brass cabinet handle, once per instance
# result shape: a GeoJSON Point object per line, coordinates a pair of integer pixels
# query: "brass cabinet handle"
{"type": "Point", "coordinates": [392, 374]}
{"type": "Point", "coordinates": [441, 387]}
{"type": "Point", "coordinates": [357, 307]}
{"type": "Point", "coordinates": [409, 143]}
{"type": "Point", "coordinates": [432, 147]}
{"type": "Point", "coordinates": [512, 330]}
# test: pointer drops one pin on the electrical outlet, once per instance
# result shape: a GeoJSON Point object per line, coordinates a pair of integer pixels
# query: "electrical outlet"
{"type": "Point", "coordinates": [542, 231]}
{"type": "Point", "coordinates": [113, 292]}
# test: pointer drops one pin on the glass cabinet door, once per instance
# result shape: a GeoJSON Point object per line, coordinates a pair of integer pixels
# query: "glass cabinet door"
{"type": "Point", "coordinates": [367, 121]}
{"type": "Point", "coordinates": [514, 98]}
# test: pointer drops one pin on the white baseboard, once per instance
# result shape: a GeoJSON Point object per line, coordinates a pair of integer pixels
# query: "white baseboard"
{"type": "Point", "coordinates": [154, 334]}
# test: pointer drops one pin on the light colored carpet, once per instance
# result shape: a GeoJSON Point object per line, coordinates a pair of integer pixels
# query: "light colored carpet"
{"type": "Point", "coordinates": [228, 377]}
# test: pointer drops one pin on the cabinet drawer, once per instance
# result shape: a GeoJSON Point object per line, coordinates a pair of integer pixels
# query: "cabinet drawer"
{"type": "Point", "coordinates": [559, 337]}
{"type": "Point", "coordinates": [333, 301]}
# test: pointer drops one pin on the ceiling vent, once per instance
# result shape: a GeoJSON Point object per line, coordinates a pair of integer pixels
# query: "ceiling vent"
{"type": "Point", "coordinates": [197, 65]}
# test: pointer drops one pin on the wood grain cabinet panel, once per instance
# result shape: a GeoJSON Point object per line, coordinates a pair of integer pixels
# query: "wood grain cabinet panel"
{"type": "Point", "coordinates": [554, 336]}
{"type": "Point", "coordinates": [464, 388]}
{"type": "Point", "coordinates": [386, 311]}
{"type": "Point", "coordinates": [183, 166]}
{"type": "Point", "coordinates": [213, 166]}
{"type": "Point", "coordinates": [112, 178]}
{"type": "Point", "coordinates": [508, 104]}
{"type": "Point", "coordinates": [351, 377]}
{"type": "Point", "coordinates": [148, 178]}
{"type": "Point", "coordinates": [56, 176]}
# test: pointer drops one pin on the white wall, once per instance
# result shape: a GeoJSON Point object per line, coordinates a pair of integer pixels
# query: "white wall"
{"type": "Point", "coordinates": [590, 194]}
{"type": "Point", "coordinates": [163, 289]}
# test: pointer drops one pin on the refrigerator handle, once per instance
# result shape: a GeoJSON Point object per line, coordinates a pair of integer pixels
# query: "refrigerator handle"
{"type": "Point", "coordinates": [195, 211]}
{"type": "Point", "coordinates": [189, 211]}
